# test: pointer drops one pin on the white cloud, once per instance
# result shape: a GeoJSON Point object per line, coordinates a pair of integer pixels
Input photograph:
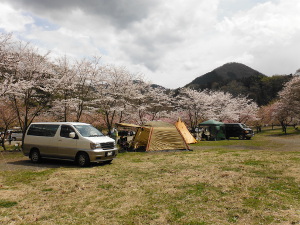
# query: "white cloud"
{"type": "Point", "coordinates": [267, 34]}
{"type": "Point", "coordinates": [171, 42]}
{"type": "Point", "coordinates": [12, 20]}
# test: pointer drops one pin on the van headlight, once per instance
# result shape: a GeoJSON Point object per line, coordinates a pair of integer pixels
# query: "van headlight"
{"type": "Point", "coordinates": [95, 145]}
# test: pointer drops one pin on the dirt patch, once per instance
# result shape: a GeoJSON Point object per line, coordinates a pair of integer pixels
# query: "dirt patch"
{"type": "Point", "coordinates": [20, 162]}
{"type": "Point", "coordinates": [292, 143]}
{"type": "Point", "coordinates": [229, 147]}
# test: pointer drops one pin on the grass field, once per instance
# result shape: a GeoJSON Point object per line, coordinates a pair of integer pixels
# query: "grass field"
{"type": "Point", "coordinates": [220, 182]}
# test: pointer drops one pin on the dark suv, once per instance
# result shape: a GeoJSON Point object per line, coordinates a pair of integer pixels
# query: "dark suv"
{"type": "Point", "coordinates": [239, 130]}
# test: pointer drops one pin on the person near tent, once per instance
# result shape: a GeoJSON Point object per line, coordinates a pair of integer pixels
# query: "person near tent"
{"type": "Point", "coordinates": [114, 134]}
{"type": "Point", "coordinates": [9, 137]}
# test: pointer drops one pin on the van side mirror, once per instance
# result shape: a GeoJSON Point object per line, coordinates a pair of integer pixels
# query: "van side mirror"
{"type": "Point", "coordinates": [72, 135]}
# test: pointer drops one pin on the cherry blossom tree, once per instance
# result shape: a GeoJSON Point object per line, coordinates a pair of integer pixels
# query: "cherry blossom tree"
{"type": "Point", "coordinates": [245, 109]}
{"type": "Point", "coordinates": [159, 102]}
{"type": "Point", "coordinates": [215, 105]}
{"type": "Point", "coordinates": [76, 90]}
{"type": "Point", "coordinates": [195, 104]}
{"type": "Point", "coordinates": [283, 115]}
{"type": "Point", "coordinates": [288, 106]}
{"type": "Point", "coordinates": [290, 95]}
{"type": "Point", "coordinates": [66, 87]}
{"type": "Point", "coordinates": [33, 84]}
{"type": "Point", "coordinates": [7, 116]}
{"type": "Point", "coordinates": [266, 116]}
{"type": "Point", "coordinates": [151, 103]}
{"type": "Point", "coordinates": [6, 61]}
{"type": "Point", "coordinates": [89, 73]}
{"type": "Point", "coordinates": [115, 95]}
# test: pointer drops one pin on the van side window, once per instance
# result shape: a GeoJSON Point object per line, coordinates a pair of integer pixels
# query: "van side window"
{"type": "Point", "coordinates": [65, 130]}
{"type": "Point", "coordinates": [46, 130]}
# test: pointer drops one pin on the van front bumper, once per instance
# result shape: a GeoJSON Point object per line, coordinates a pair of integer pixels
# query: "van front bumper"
{"type": "Point", "coordinates": [249, 135]}
{"type": "Point", "coordinates": [100, 155]}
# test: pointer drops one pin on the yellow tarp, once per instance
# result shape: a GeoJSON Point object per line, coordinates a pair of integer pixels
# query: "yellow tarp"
{"type": "Point", "coordinates": [141, 138]}
{"type": "Point", "coordinates": [158, 138]}
{"type": "Point", "coordinates": [188, 137]}
{"type": "Point", "coordinates": [165, 138]}
{"type": "Point", "coordinates": [127, 125]}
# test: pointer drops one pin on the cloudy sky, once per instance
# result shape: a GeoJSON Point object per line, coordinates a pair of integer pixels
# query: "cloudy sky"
{"type": "Point", "coordinates": [170, 42]}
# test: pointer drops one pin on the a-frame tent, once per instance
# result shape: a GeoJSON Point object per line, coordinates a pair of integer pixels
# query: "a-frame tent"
{"type": "Point", "coordinates": [156, 137]}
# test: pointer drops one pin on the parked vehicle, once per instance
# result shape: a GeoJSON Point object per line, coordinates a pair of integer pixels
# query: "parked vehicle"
{"type": "Point", "coordinates": [80, 142]}
{"type": "Point", "coordinates": [239, 130]}
{"type": "Point", "coordinates": [16, 135]}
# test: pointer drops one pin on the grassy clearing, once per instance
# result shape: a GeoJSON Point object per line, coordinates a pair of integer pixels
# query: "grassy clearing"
{"type": "Point", "coordinates": [223, 182]}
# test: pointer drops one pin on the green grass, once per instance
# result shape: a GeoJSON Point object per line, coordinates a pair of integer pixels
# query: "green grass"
{"type": "Point", "coordinates": [7, 204]}
{"type": "Point", "coordinates": [219, 182]}
{"type": "Point", "coordinates": [25, 177]}
{"type": "Point", "coordinates": [10, 147]}
{"type": "Point", "coordinates": [10, 154]}
{"type": "Point", "coordinates": [277, 131]}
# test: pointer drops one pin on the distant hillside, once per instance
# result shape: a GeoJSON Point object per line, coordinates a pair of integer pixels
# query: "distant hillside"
{"type": "Point", "coordinates": [239, 79]}
{"type": "Point", "coordinates": [223, 75]}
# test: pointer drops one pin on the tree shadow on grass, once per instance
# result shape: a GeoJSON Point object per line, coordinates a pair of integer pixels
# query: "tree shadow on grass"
{"type": "Point", "coordinates": [23, 164]}
{"type": "Point", "coordinates": [288, 134]}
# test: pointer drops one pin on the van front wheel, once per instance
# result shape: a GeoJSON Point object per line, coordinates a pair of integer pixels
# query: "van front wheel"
{"type": "Point", "coordinates": [83, 159]}
{"type": "Point", "coordinates": [35, 156]}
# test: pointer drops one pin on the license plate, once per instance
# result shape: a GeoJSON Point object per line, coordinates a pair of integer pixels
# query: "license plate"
{"type": "Point", "coordinates": [109, 153]}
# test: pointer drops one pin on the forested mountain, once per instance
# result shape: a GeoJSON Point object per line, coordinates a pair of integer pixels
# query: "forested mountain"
{"type": "Point", "coordinates": [237, 78]}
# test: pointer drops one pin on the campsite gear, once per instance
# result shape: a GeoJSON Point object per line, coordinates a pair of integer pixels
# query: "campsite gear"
{"type": "Point", "coordinates": [213, 130]}
{"type": "Point", "coordinates": [155, 136]}
{"type": "Point", "coordinates": [123, 143]}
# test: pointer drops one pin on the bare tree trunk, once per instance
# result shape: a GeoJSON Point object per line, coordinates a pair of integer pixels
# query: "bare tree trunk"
{"type": "Point", "coordinates": [283, 126]}
{"type": "Point", "coordinates": [109, 121]}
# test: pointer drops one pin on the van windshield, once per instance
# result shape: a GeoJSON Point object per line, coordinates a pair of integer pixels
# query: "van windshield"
{"type": "Point", "coordinates": [243, 125]}
{"type": "Point", "coordinates": [88, 131]}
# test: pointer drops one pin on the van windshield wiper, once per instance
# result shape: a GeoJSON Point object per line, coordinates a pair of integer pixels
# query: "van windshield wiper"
{"type": "Point", "coordinates": [96, 135]}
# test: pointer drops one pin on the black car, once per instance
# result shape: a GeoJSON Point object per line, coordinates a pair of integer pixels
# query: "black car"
{"type": "Point", "coordinates": [239, 130]}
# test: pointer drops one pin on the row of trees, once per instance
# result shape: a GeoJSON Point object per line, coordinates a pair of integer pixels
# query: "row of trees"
{"type": "Point", "coordinates": [35, 87]}
{"type": "Point", "coordinates": [286, 110]}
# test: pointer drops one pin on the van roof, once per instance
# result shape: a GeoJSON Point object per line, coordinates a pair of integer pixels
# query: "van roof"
{"type": "Point", "coordinates": [61, 123]}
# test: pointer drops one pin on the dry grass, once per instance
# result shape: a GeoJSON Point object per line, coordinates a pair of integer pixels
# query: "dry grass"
{"type": "Point", "coordinates": [223, 182]}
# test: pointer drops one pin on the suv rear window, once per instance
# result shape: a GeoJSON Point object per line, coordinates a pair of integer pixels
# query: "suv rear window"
{"type": "Point", "coordinates": [46, 130]}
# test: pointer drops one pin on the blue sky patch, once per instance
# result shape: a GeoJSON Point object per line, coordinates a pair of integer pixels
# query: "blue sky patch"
{"type": "Point", "coordinates": [43, 23]}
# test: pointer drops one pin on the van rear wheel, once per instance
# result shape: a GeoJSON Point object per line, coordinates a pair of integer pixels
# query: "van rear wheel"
{"type": "Point", "coordinates": [35, 156]}
{"type": "Point", "coordinates": [83, 159]}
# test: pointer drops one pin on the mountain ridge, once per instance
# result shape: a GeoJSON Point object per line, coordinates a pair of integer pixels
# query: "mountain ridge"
{"type": "Point", "coordinates": [239, 79]}
{"type": "Point", "coordinates": [223, 74]}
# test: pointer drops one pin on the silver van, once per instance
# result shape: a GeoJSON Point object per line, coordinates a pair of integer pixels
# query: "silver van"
{"type": "Point", "coordinates": [16, 135]}
{"type": "Point", "coordinates": [80, 142]}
